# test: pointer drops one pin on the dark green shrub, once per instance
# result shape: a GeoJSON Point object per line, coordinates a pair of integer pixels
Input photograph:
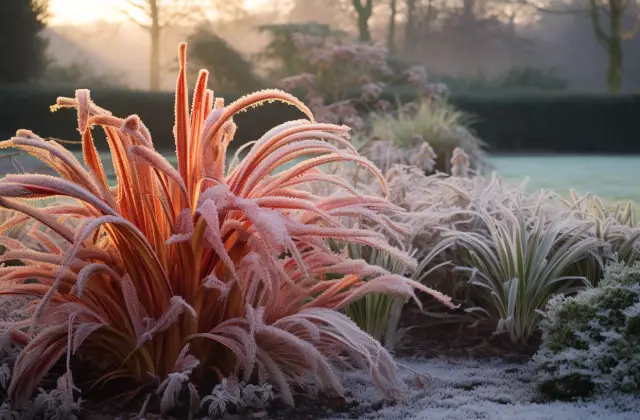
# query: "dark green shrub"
{"type": "Point", "coordinates": [591, 342]}
{"type": "Point", "coordinates": [229, 71]}
{"type": "Point", "coordinates": [280, 55]}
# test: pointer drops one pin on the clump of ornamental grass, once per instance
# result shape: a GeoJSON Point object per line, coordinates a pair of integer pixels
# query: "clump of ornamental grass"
{"type": "Point", "coordinates": [379, 314]}
{"type": "Point", "coordinates": [518, 260]}
{"type": "Point", "coordinates": [614, 225]}
{"type": "Point", "coordinates": [590, 205]}
{"type": "Point", "coordinates": [432, 121]}
{"type": "Point", "coordinates": [177, 278]}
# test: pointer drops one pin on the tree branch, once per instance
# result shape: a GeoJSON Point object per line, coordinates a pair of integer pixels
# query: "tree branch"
{"type": "Point", "coordinates": [360, 8]}
{"type": "Point", "coordinates": [143, 7]}
{"type": "Point", "coordinates": [128, 15]}
{"type": "Point", "coordinates": [594, 12]}
{"type": "Point", "coordinates": [185, 10]}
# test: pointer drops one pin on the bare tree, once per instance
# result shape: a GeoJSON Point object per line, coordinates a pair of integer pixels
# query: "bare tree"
{"type": "Point", "coordinates": [418, 18]}
{"type": "Point", "coordinates": [391, 34]}
{"type": "Point", "coordinates": [158, 15]}
{"type": "Point", "coordinates": [409, 25]}
{"type": "Point", "coordinates": [610, 35]}
{"type": "Point", "coordinates": [612, 39]}
{"type": "Point", "coordinates": [364, 11]}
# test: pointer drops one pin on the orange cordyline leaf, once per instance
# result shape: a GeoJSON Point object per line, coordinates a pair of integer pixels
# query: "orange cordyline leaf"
{"type": "Point", "coordinates": [229, 265]}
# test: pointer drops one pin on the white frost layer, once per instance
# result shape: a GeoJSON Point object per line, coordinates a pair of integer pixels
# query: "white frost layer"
{"type": "Point", "coordinates": [472, 389]}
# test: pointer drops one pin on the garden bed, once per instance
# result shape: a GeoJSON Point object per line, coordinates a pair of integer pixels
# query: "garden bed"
{"type": "Point", "coordinates": [475, 389]}
{"type": "Point", "coordinates": [446, 388]}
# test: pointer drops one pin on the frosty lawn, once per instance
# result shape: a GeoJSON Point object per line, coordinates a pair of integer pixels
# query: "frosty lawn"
{"type": "Point", "coordinates": [477, 389]}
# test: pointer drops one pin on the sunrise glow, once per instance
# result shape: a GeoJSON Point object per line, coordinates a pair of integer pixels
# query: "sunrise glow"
{"type": "Point", "coordinates": [65, 12]}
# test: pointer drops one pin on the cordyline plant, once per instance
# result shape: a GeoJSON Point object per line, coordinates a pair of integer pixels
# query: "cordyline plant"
{"type": "Point", "coordinates": [179, 278]}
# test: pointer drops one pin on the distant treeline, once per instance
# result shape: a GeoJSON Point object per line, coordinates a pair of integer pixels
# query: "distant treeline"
{"type": "Point", "coordinates": [513, 122]}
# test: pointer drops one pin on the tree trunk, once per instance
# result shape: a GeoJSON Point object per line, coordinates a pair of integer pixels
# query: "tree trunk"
{"type": "Point", "coordinates": [154, 62]}
{"type": "Point", "coordinates": [363, 28]}
{"type": "Point", "coordinates": [614, 70]}
{"type": "Point", "coordinates": [391, 35]}
{"type": "Point", "coordinates": [468, 11]}
{"type": "Point", "coordinates": [409, 25]}
{"type": "Point", "coordinates": [611, 42]}
{"type": "Point", "coordinates": [364, 13]}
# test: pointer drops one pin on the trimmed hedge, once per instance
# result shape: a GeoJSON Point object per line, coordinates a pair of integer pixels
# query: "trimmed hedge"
{"type": "Point", "coordinates": [562, 123]}
{"type": "Point", "coordinates": [514, 122]}
{"type": "Point", "coordinates": [22, 107]}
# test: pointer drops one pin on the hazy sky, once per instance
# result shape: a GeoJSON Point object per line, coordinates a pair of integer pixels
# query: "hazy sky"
{"type": "Point", "coordinates": [85, 11]}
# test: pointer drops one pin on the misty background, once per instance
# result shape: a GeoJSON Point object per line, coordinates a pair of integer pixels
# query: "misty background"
{"type": "Point", "coordinates": [456, 38]}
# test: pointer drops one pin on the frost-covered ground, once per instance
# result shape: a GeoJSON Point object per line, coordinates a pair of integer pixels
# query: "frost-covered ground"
{"type": "Point", "coordinates": [609, 177]}
{"type": "Point", "coordinates": [473, 389]}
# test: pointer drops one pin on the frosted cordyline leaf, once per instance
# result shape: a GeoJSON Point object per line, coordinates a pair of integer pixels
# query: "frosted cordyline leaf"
{"type": "Point", "coordinates": [133, 307]}
{"type": "Point", "coordinates": [47, 241]}
{"type": "Point", "coordinates": [150, 157]}
{"type": "Point", "coordinates": [185, 362]}
{"type": "Point", "coordinates": [39, 216]}
{"type": "Point", "coordinates": [209, 212]}
{"type": "Point", "coordinates": [134, 127]}
{"type": "Point", "coordinates": [44, 258]}
{"type": "Point", "coordinates": [291, 344]}
{"type": "Point", "coordinates": [183, 228]}
{"type": "Point", "coordinates": [82, 332]}
{"type": "Point", "coordinates": [90, 269]}
{"type": "Point", "coordinates": [81, 235]}
{"type": "Point", "coordinates": [213, 282]}
{"type": "Point", "coordinates": [70, 165]}
{"type": "Point", "coordinates": [46, 185]}
{"type": "Point", "coordinates": [177, 306]}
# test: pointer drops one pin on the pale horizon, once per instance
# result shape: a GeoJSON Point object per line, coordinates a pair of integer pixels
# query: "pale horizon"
{"type": "Point", "coordinates": [82, 12]}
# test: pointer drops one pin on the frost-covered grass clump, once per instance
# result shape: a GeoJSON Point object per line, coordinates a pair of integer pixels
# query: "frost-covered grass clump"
{"type": "Point", "coordinates": [591, 342]}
